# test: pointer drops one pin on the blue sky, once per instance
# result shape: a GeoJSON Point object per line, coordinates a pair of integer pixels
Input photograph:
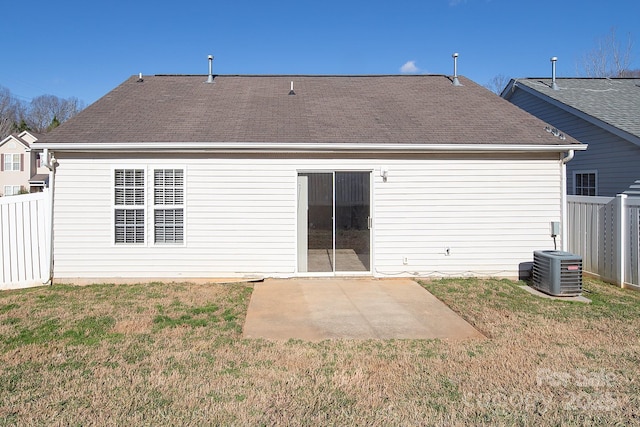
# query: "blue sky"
{"type": "Point", "coordinates": [84, 49]}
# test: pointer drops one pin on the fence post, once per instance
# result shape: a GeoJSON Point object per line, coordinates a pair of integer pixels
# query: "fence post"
{"type": "Point", "coordinates": [621, 238]}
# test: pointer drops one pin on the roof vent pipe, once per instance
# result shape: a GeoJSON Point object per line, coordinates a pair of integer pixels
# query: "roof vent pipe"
{"type": "Point", "coordinates": [455, 82]}
{"type": "Point", "coordinates": [210, 78]}
{"type": "Point", "coordinates": [554, 85]}
{"type": "Point", "coordinates": [291, 92]}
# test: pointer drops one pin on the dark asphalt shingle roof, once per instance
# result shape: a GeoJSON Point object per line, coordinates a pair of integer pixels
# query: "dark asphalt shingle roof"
{"type": "Point", "coordinates": [613, 101]}
{"type": "Point", "coordinates": [325, 109]}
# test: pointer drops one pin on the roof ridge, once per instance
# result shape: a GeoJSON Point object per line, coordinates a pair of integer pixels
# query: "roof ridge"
{"type": "Point", "coordinates": [303, 75]}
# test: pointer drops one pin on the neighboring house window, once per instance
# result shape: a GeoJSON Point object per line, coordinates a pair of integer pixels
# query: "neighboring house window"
{"type": "Point", "coordinates": [168, 210]}
{"type": "Point", "coordinates": [129, 201]}
{"type": "Point", "coordinates": [12, 162]}
{"type": "Point", "coordinates": [12, 190]}
{"type": "Point", "coordinates": [585, 183]}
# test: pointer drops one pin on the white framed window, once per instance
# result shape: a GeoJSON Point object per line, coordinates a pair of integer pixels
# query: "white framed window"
{"type": "Point", "coordinates": [129, 206]}
{"type": "Point", "coordinates": [12, 190]}
{"type": "Point", "coordinates": [585, 183]}
{"type": "Point", "coordinates": [12, 162]}
{"type": "Point", "coordinates": [168, 206]}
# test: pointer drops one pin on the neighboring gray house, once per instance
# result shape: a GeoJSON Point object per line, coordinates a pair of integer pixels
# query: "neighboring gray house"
{"type": "Point", "coordinates": [603, 113]}
{"type": "Point", "coordinates": [284, 176]}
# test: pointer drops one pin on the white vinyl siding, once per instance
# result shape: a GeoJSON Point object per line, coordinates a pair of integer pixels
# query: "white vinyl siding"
{"type": "Point", "coordinates": [168, 199]}
{"type": "Point", "coordinates": [129, 201]}
{"type": "Point", "coordinates": [475, 209]}
{"type": "Point", "coordinates": [242, 212]}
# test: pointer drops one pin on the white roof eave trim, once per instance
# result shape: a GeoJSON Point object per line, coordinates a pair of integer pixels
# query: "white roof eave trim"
{"type": "Point", "coordinates": [261, 147]}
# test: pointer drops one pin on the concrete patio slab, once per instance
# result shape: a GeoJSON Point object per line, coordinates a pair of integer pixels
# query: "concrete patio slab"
{"type": "Point", "coordinates": [352, 308]}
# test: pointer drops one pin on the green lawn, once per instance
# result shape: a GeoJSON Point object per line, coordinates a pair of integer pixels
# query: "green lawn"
{"type": "Point", "coordinates": [173, 354]}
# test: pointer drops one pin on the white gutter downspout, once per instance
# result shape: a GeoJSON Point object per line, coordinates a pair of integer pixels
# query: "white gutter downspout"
{"type": "Point", "coordinates": [563, 201]}
{"type": "Point", "coordinates": [50, 163]}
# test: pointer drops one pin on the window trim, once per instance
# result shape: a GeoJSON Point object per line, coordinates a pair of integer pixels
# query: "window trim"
{"type": "Point", "coordinates": [155, 207]}
{"type": "Point", "coordinates": [149, 206]}
{"type": "Point", "coordinates": [585, 172]}
{"type": "Point", "coordinates": [115, 207]}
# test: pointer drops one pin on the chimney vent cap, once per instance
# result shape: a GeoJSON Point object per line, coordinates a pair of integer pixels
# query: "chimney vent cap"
{"type": "Point", "coordinates": [455, 81]}
{"type": "Point", "coordinates": [210, 76]}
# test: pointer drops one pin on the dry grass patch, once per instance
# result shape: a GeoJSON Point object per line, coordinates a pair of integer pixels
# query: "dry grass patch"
{"type": "Point", "coordinates": [172, 354]}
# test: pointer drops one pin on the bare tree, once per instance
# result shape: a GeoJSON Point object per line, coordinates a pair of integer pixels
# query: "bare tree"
{"type": "Point", "coordinates": [47, 111]}
{"type": "Point", "coordinates": [609, 58]}
{"type": "Point", "coordinates": [42, 114]}
{"type": "Point", "coordinates": [497, 83]}
{"type": "Point", "coordinates": [9, 112]}
{"type": "Point", "coordinates": [630, 73]}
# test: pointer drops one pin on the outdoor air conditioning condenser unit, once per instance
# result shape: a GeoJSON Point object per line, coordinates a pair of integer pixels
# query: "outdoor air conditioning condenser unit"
{"type": "Point", "coordinates": [557, 273]}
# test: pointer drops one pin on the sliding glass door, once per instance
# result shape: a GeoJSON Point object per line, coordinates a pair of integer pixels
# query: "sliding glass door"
{"type": "Point", "coordinates": [334, 222]}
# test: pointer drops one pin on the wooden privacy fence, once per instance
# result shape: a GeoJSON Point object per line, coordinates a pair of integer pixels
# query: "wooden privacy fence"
{"type": "Point", "coordinates": [24, 240]}
{"type": "Point", "coordinates": [605, 231]}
